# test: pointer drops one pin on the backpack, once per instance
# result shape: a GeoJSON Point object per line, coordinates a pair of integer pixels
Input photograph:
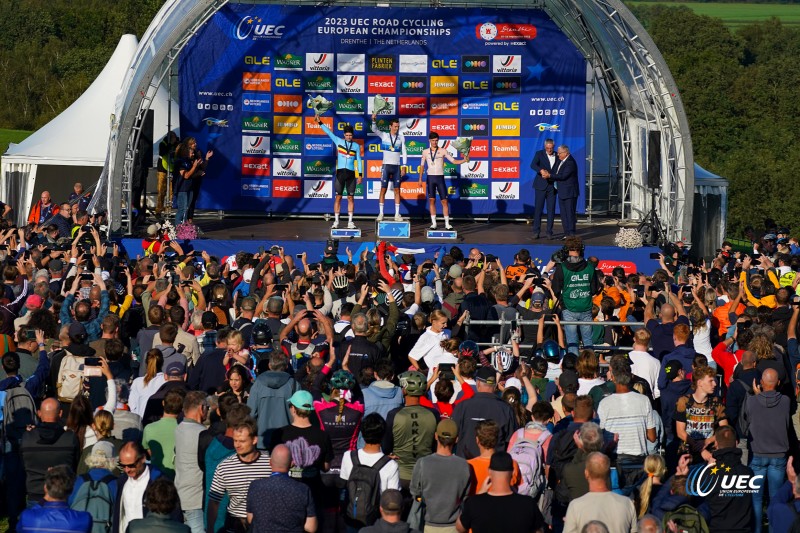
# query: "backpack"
{"type": "Point", "coordinates": [564, 450]}
{"type": "Point", "coordinates": [70, 378]}
{"type": "Point", "coordinates": [744, 419]}
{"type": "Point", "coordinates": [530, 457]}
{"type": "Point", "coordinates": [17, 412]}
{"type": "Point", "coordinates": [341, 336]}
{"type": "Point", "coordinates": [688, 520]}
{"type": "Point", "coordinates": [95, 498]}
{"type": "Point", "coordinates": [364, 490]}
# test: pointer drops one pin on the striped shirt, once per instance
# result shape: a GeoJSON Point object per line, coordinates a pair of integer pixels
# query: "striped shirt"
{"type": "Point", "coordinates": [630, 415]}
{"type": "Point", "coordinates": [234, 476]}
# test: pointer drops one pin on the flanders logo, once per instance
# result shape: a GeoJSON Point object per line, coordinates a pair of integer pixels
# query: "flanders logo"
{"type": "Point", "coordinates": [289, 62]}
{"type": "Point", "coordinates": [702, 481]}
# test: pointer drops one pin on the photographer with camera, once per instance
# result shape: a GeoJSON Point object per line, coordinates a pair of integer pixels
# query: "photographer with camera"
{"type": "Point", "coordinates": [575, 282]}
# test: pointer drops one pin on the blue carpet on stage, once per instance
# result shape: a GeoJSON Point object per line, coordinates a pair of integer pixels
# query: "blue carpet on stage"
{"type": "Point", "coordinates": [610, 256]}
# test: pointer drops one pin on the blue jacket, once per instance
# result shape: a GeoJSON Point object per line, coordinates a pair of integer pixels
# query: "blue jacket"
{"type": "Point", "coordinates": [381, 400]}
{"type": "Point", "coordinates": [567, 177]}
{"type": "Point", "coordinates": [783, 509]}
{"type": "Point", "coordinates": [52, 517]}
{"type": "Point", "coordinates": [541, 162]}
{"type": "Point", "coordinates": [93, 329]}
{"type": "Point", "coordinates": [34, 384]}
{"type": "Point", "coordinates": [268, 403]}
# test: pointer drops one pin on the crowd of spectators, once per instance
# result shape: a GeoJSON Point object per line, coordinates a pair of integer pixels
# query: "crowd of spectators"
{"type": "Point", "coordinates": [172, 390]}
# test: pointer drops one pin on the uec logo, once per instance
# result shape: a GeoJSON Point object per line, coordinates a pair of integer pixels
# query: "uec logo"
{"type": "Point", "coordinates": [252, 25]}
{"type": "Point", "coordinates": [702, 481]}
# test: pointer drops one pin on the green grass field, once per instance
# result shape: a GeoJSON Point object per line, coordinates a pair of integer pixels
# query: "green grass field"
{"type": "Point", "coordinates": [735, 15]}
{"type": "Point", "coordinates": [11, 136]}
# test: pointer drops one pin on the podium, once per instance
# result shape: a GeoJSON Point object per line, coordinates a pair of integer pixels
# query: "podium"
{"type": "Point", "coordinates": [393, 229]}
{"type": "Point", "coordinates": [447, 234]}
{"type": "Point", "coordinates": [345, 233]}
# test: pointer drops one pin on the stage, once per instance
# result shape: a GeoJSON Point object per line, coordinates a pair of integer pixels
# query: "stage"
{"type": "Point", "coordinates": [225, 236]}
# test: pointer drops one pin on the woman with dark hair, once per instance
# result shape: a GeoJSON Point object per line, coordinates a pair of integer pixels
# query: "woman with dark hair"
{"type": "Point", "coordinates": [238, 383]}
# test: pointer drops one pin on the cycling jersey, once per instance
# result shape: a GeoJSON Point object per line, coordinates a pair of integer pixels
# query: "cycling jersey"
{"type": "Point", "coordinates": [391, 146]}
{"type": "Point", "coordinates": [348, 153]}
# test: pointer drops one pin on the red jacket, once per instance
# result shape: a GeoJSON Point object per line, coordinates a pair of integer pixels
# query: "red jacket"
{"type": "Point", "coordinates": [36, 212]}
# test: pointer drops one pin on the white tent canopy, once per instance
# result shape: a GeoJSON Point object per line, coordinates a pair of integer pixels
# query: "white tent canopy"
{"type": "Point", "coordinates": [73, 146]}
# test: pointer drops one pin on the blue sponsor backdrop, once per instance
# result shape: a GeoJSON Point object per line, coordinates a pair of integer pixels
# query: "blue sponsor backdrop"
{"type": "Point", "coordinates": [508, 78]}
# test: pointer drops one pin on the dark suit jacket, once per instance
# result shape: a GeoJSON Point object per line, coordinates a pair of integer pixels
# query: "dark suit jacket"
{"type": "Point", "coordinates": [541, 162]}
{"type": "Point", "coordinates": [567, 178]}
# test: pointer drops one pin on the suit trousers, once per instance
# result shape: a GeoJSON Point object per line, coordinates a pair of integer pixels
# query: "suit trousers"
{"type": "Point", "coordinates": [568, 208]}
{"type": "Point", "coordinates": [542, 198]}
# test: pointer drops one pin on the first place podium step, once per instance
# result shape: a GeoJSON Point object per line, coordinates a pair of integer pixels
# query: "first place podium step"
{"type": "Point", "coordinates": [393, 229]}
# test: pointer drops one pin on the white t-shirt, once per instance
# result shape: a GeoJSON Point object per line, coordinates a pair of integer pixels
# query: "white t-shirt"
{"type": "Point", "coordinates": [702, 341]}
{"type": "Point", "coordinates": [390, 474]}
{"type": "Point", "coordinates": [140, 392]}
{"type": "Point", "coordinates": [646, 367]}
{"type": "Point", "coordinates": [585, 385]}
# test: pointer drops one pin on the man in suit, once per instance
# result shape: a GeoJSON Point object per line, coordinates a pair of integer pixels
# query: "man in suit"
{"type": "Point", "coordinates": [566, 176]}
{"type": "Point", "coordinates": [543, 163]}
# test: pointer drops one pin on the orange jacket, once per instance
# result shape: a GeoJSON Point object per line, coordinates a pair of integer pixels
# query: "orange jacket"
{"type": "Point", "coordinates": [36, 212]}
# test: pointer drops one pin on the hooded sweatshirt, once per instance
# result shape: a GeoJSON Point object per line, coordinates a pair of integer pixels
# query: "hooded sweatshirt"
{"type": "Point", "coordinates": [770, 422]}
{"type": "Point", "coordinates": [381, 397]}
{"type": "Point", "coordinates": [268, 399]}
{"type": "Point", "coordinates": [669, 403]}
{"type": "Point", "coordinates": [48, 444]}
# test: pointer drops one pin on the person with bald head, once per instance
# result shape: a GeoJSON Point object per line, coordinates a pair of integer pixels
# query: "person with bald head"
{"type": "Point", "coordinates": [279, 502]}
{"type": "Point", "coordinates": [769, 414]}
{"type": "Point", "coordinates": [613, 510]}
{"type": "Point", "coordinates": [662, 325]}
{"type": "Point", "coordinates": [45, 446]}
{"type": "Point", "coordinates": [301, 351]}
{"type": "Point", "coordinates": [43, 209]}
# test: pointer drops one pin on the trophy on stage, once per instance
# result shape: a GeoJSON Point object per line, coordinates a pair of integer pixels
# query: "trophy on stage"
{"type": "Point", "coordinates": [319, 104]}
{"type": "Point", "coordinates": [462, 145]}
{"type": "Point", "coordinates": [380, 104]}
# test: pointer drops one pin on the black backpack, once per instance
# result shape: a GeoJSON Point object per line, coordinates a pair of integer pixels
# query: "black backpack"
{"type": "Point", "coordinates": [364, 490]}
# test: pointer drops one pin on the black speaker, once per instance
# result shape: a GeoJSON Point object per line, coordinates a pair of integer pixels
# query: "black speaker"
{"type": "Point", "coordinates": [654, 160]}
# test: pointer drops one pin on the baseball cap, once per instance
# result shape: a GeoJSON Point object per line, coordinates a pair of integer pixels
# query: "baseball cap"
{"type": "Point", "coordinates": [55, 265]}
{"type": "Point", "coordinates": [770, 237]}
{"type": "Point", "coordinates": [537, 296]}
{"type": "Point", "coordinates": [447, 429]}
{"type": "Point", "coordinates": [501, 462]}
{"type": "Point", "coordinates": [671, 369]}
{"type": "Point", "coordinates": [77, 332]}
{"type": "Point", "coordinates": [568, 380]}
{"type": "Point", "coordinates": [302, 399]}
{"type": "Point", "coordinates": [455, 271]}
{"type": "Point", "coordinates": [103, 450]}
{"type": "Point", "coordinates": [248, 275]}
{"type": "Point", "coordinates": [33, 302]}
{"type": "Point", "coordinates": [426, 294]}
{"type": "Point", "coordinates": [487, 375]}
{"type": "Point", "coordinates": [175, 369]}
{"type": "Point", "coordinates": [392, 501]}
{"type": "Point", "coordinates": [152, 230]}
{"type": "Point", "coordinates": [209, 320]}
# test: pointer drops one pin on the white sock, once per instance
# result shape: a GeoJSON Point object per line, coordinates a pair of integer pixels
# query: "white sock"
{"type": "Point", "coordinates": [433, 219]}
{"type": "Point", "coordinates": [350, 217]}
{"type": "Point", "coordinates": [446, 221]}
{"type": "Point", "coordinates": [396, 209]}
{"type": "Point", "coordinates": [336, 217]}
{"type": "Point", "coordinates": [380, 208]}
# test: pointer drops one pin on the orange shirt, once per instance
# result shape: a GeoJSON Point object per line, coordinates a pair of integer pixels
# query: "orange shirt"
{"type": "Point", "coordinates": [479, 471]}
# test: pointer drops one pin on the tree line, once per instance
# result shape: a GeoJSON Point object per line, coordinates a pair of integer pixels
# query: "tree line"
{"type": "Point", "coordinates": [739, 87]}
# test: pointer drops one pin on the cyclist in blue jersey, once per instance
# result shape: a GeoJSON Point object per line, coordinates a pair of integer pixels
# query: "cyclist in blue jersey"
{"type": "Point", "coordinates": [348, 171]}
{"type": "Point", "coordinates": [393, 144]}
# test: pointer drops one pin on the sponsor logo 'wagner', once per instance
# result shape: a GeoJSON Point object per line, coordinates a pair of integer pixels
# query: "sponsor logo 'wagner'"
{"type": "Point", "coordinates": [320, 84]}
{"type": "Point", "coordinates": [255, 123]}
{"type": "Point", "coordinates": [289, 61]}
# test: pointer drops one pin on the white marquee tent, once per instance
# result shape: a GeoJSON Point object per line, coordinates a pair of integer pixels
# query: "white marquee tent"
{"type": "Point", "coordinates": [72, 147]}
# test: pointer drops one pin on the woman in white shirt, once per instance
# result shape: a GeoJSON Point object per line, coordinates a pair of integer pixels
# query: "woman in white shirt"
{"type": "Point", "coordinates": [429, 344]}
{"type": "Point", "coordinates": [144, 387]}
{"type": "Point", "coordinates": [588, 368]}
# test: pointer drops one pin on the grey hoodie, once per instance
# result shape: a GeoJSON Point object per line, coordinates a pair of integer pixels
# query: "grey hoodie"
{"type": "Point", "coordinates": [268, 403]}
{"type": "Point", "coordinates": [770, 422]}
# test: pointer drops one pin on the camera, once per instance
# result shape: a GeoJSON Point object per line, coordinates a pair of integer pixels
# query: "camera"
{"type": "Point", "coordinates": [491, 258]}
{"type": "Point", "coordinates": [559, 256]}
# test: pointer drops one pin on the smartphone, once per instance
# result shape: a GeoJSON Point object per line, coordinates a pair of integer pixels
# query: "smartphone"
{"type": "Point", "coordinates": [280, 287]}
{"type": "Point", "coordinates": [446, 370]}
{"type": "Point", "coordinates": [299, 256]}
{"type": "Point", "coordinates": [655, 256]}
{"type": "Point", "coordinates": [91, 367]}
